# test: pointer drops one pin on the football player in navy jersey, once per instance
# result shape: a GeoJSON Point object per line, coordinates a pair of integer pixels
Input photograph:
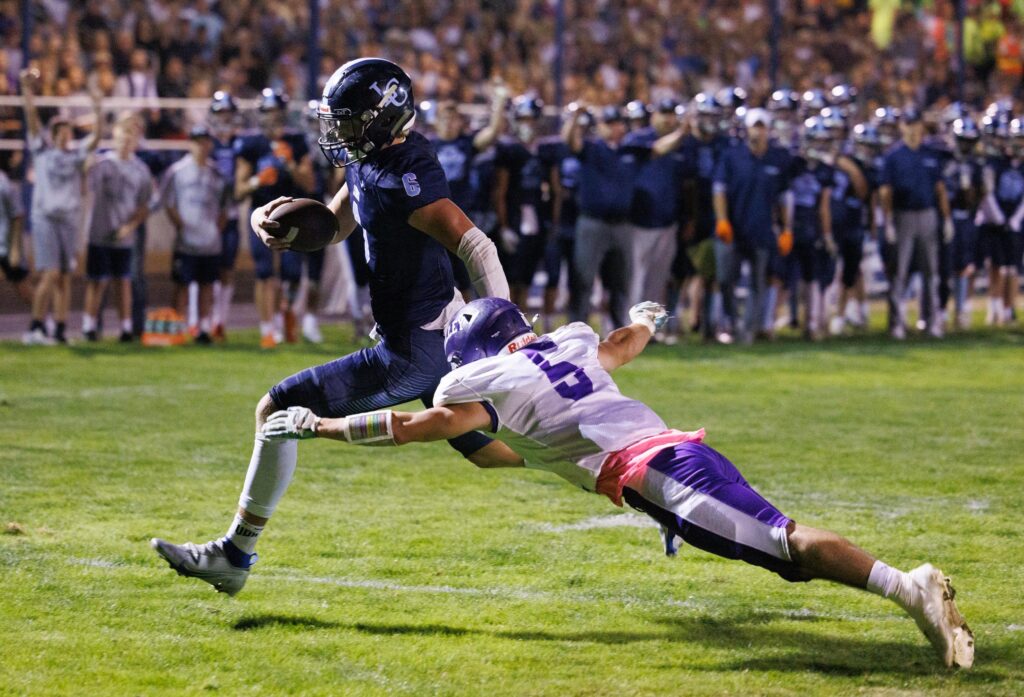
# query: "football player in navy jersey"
{"type": "Point", "coordinates": [397, 192]}
{"type": "Point", "coordinates": [563, 172]}
{"type": "Point", "coordinates": [962, 174]}
{"type": "Point", "coordinates": [868, 150]}
{"type": "Point", "coordinates": [456, 149]}
{"type": "Point", "coordinates": [274, 163]}
{"type": "Point", "coordinates": [814, 248]}
{"type": "Point", "coordinates": [1003, 190]}
{"type": "Point", "coordinates": [224, 125]}
{"type": "Point", "coordinates": [850, 196]}
{"type": "Point", "coordinates": [522, 197]}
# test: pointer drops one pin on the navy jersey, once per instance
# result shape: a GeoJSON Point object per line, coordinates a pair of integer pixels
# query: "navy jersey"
{"type": "Point", "coordinates": [912, 174]}
{"type": "Point", "coordinates": [752, 186]}
{"type": "Point", "coordinates": [963, 182]}
{"type": "Point", "coordinates": [263, 154]}
{"type": "Point", "coordinates": [555, 154]}
{"type": "Point", "coordinates": [456, 159]}
{"type": "Point", "coordinates": [410, 276]}
{"type": "Point", "coordinates": [809, 183]}
{"type": "Point", "coordinates": [224, 162]}
{"type": "Point", "coordinates": [658, 194]}
{"type": "Point", "coordinates": [1009, 182]}
{"type": "Point", "coordinates": [703, 156]}
{"type": "Point", "coordinates": [527, 176]}
{"type": "Point", "coordinates": [847, 207]}
{"type": "Point", "coordinates": [607, 176]}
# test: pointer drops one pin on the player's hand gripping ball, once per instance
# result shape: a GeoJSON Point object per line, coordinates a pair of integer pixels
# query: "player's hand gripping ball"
{"type": "Point", "coordinates": [650, 314]}
{"type": "Point", "coordinates": [301, 224]}
{"type": "Point", "coordinates": [293, 423]}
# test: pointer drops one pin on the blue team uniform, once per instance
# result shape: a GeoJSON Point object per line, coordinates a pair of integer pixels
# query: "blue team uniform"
{"type": "Point", "coordinates": [809, 184]}
{"type": "Point", "coordinates": [525, 206]}
{"type": "Point", "coordinates": [411, 284]}
{"type": "Point", "coordinates": [224, 160]}
{"type": "Point", "coordinates": [848, 210]}
{"type": "Point", "coordinates": [555, 155]}
{"type": "Point", "coordinates": [962, 205]}
{"type": "Point", "coordinates": [998, 242]}
{"type": "Point", "coordinates": [259, 151]}
{"type": "Point", "coordinates": [456, 158]}
{"type": "Point", "coordinates": [658, 192]}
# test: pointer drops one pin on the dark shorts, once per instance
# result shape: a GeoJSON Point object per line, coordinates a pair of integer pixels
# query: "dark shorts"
{"type": "Point", "coordinates": [695, 492]}
{"type": "Point", "coordinates": [189, 268]}
{"type": "Point", "coordinates": [107, 262]}
{"type": "Point", "coordinates": [996, 243]}
{"type": "Point", "coordinates": [523, 263]}
{"type": "Point", "coordinates": [315, 265]}
{"type": "Point", "coordinates": [229, 245]}
{"type": "Point", "coordinates": [289, 263]}
{"type": "Point", "coordinates": [14, 274]}
{"type": "Point", "coordinates": [559, 248]}
{"type": "Point", "coordinates": [390, 373]}
{"type": "Point", "coordinates": [851, 249]}
{"type": "Point", "coordinates": [964, 248]}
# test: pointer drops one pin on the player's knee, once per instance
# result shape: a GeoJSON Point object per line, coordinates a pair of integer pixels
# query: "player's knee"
{"type": "Point", "coordinates": [264, 408]}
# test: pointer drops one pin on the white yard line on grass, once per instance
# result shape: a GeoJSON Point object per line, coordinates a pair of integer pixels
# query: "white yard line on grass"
{"type": "Point", "coordinates": [627, 520]}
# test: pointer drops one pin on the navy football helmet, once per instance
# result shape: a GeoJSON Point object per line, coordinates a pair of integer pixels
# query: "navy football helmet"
{"type": "Point", "coordinates": [223, 103]}
{"type": "Point", "coordinates": [366, 105]}
{"type": "Point", "coordinates": [526, 106]}
{"type": "Point", "coordinates": [784, 100]}
{"type": "Point", "coordinates": [272, 100]}
{"type": "Point", "coordinates": [636, 110]}
{"type": "Point", "coordinates": [482, 328]}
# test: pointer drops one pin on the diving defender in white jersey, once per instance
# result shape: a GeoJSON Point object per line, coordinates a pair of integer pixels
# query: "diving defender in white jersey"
{"type": "Point", "coordinates": [552, 399]}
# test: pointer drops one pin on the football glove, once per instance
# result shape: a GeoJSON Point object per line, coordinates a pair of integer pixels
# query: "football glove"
{"type": "Point", "coordinates": [785, 242]}
{"type": "Point", "coordinates": [650, 314]}
{"type": "Point", "coordinates": [723, 230]}
{"type": "Point", "coordinates": [293, 423]}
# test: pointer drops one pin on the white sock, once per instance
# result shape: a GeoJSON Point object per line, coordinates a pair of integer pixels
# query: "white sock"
{"type": "Point", "coordinates": [266, 328]}
{"type": "Point", "coordinates": [217, 290]}
{"type": "Point", "coordinates": [204, 324]}
{"type": "Point", "coordinates": [889, 583]}
{"type": "Point", "coordinates": [193, 304]}
{"type": "Point", "coordinates": [864, 312]}
{"type": "Point", "coordinates": [88, 323]}
{"type": "Point", "coordinates": [270, 471]}
{"type": "Point", "coordinates": [126, 325]}
{"type": "Point", "coordinates": [244, 534]}
{"type": "Point", "coordinates": [226, 293]}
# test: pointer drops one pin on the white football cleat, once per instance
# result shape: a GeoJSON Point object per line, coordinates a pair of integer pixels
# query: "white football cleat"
{"type": "Point", "coordinates": [37, 337]}
{"type": "Point", "coordinates": [937, 617]}
{"type": "Point", "coordinates": [208, 562]}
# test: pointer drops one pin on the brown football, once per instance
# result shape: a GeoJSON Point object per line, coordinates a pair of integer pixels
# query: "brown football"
{"type": "Point", "coordinates": [306, 224]}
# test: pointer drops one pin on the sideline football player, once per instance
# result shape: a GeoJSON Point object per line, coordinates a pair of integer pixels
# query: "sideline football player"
{"type": "Point", "coordinates": [396, 191]}
{"type": "Point", "coordinates": [552, 399]}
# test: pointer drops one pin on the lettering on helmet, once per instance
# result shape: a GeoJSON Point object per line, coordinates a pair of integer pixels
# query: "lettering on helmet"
{"type": "Point", "coordinates": [398, 97]}
{"type": "Point", "coordinates": [520, 342]}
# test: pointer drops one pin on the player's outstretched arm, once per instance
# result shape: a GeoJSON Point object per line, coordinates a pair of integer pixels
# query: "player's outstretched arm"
{"type": "Point", "coordinates": [626, 343]}
{"type": "Point", "coordinates": [386, 427]}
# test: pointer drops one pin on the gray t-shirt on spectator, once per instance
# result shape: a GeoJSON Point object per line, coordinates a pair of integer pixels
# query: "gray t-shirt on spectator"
{"type": "Point", "coordinates": [119, 188]}
{"type": "Point", "coordinates": [10, 208]}
{"type": "Point", "coordinates": [58, 182]}
{"type": "Point", "coordinates": [200, 194]}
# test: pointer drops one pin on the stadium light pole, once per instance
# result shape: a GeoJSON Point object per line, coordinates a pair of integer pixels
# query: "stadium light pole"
{"type": "Point", "coordinates": [961, 66]}
{"type": "Point", "coordinates": [313, 58]}
{"type": "Point", "coordinates": [559, 52]}
{"type": "Point", "coordinates": [773, 43]}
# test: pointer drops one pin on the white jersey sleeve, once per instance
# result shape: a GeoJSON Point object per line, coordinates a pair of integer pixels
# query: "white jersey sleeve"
{"type": "Point", "coordinates": [554, 404]}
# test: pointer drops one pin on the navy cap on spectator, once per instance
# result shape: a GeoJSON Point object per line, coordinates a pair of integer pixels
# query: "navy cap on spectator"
{"type": "Point", "coordinates": [910, 115]}
{"type": "Point", "coordinates": [666, 106]}
{"type": "Point", "coordinates": [200, 130]}
{"type": "Point", "coordinates": [611, 114]}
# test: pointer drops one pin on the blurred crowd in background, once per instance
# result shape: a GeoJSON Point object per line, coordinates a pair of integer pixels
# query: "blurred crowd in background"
{"type": "Point", "coordinates": [890, 51]}
{"type": "Point", "coordinates": [681, 92]}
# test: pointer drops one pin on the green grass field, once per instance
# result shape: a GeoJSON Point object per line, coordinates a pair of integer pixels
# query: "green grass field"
{"type": "Point", "coordinates": [409, 572]}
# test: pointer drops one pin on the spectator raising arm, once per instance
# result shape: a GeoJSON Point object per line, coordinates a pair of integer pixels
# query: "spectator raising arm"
{"type": "Point", "coordinates": [488, 134]}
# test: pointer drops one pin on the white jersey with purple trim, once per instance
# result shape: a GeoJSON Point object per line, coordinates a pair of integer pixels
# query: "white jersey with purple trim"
{"type": "Point", "coordinates": [554, 404]}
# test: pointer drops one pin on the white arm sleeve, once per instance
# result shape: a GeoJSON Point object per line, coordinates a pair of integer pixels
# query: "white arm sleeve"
{"type": "Point", "coordinates": [481, 259]}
